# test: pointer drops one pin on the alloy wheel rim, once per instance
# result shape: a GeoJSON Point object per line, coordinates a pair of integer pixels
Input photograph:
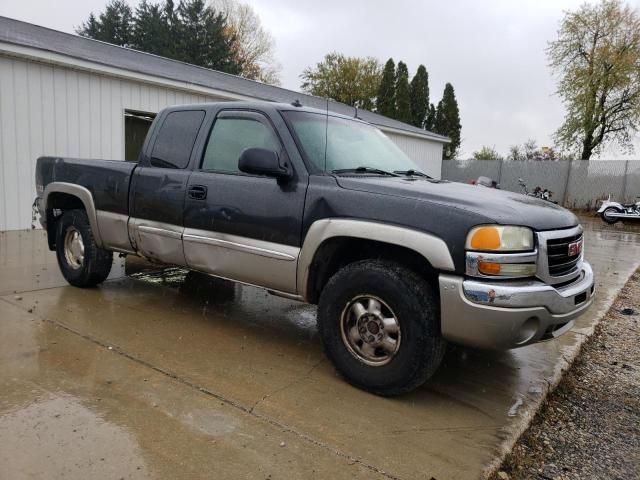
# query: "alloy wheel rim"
{"type": "Point", "coordinates": [370, 330]}
{"type": "Point", "coordinates": [73, 248]}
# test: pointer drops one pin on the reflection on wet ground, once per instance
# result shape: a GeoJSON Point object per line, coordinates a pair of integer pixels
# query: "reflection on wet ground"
{"type": "Point", "coordinates": [194, 376]}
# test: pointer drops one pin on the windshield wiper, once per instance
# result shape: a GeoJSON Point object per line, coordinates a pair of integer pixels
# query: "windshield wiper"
{"type": "Point", "coordinates": [376, 171]}
{"type": "Point", "coordinates": [412, 173]}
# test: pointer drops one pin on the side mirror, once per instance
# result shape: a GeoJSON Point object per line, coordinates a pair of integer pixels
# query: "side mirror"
{"type": "Point", "coordinates": [260, 161]}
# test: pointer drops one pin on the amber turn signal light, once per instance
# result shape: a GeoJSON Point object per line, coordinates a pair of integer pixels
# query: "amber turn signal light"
{"type": "Point", "coordinates": [489, 268]}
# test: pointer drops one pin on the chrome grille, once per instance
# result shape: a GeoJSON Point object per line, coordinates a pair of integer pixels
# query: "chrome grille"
{"type": "Point", "coordinates": [558, 259]}
{"type": "Point", "coordinates": [555, 265]}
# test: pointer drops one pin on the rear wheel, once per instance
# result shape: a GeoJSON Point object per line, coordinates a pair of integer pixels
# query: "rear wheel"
{"type": "Point", "coordinates": [606, 215]}
{"type": "Point", "coordinates": [81, 261]}
{"type": "Point", "coordinates": [379, 324]}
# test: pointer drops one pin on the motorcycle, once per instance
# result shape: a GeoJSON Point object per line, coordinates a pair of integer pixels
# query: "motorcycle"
{"type": "Point", "coordinates": [486, 182]}
{"type": "Point", "coordinates": [612, 212]}
{"type": "Point", "coordinates": [538, 192]}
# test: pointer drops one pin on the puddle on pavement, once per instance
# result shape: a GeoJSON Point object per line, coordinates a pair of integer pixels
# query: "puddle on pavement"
{"type": "Point", "coordinates": [212, 294]}
{"type": "Point", "coordinates": [58, 437]}
{"type": "Point", "coordinates": [209, 422]}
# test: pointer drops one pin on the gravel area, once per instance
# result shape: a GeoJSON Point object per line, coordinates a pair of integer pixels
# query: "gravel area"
{"type": "Point", "coordinates": [589, 427]}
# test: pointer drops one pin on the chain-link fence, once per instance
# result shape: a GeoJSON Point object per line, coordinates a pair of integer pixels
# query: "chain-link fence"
{"type": "Point", "coordinates": [576, 184]}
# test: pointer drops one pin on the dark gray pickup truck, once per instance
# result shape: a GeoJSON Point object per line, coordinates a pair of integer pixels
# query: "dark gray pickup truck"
{"type": "Point", "coordinates": [325, 209]}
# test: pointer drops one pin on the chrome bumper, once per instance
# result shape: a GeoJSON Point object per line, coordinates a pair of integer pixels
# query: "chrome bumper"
{"type": "Point", "coordinates": [510, 314]}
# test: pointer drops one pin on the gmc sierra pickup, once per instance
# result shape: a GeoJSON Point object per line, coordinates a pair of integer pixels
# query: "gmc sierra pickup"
{"type": "Point", "coordinates": [326, 209]}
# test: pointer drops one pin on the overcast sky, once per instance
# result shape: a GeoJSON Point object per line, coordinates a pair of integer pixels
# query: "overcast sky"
{"type": "Point", "coordinates": [493, 52]}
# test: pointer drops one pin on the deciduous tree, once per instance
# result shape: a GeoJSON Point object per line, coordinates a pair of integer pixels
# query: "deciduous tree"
{"type": "Point", "coordinates": [597, 58]}
{"type": "Point", "coordinates": [254, 47]}
{"type": "Point", "coordinates": [350, 80]}
{"type": "Point", "coordinates": [487, 153]}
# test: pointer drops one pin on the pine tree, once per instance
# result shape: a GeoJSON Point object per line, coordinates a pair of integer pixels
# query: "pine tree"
{"type": "Point", "coordinates": [90, 28]}
{"type": "Point", "coordinates": [151, 31]}
{"type": "Point", "coordinates": [170, 17]}
{"type": "Point", "coordinates": [386, 101]}
{"type": "Point", "coordinates": [430, 120]}
{"type": "Point", "coordinates": [439, 125]}
{"type": "Point", "coordinates": [403, 95]}
{"type": "Point", "coordinates": [115, 24]}
{"type": "Point", "coordinates": [420, 97]}
{"type": "Point", "coordinates": [447, 121]}
{"type": "Point", "coordinates": [202, 37]}
{"type": "Point", "coordinates": [193, 33]}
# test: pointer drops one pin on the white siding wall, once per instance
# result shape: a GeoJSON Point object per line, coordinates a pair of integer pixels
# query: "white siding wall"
{"type": "Point", "coordinates": [53, 110]}
{"type": "Point", "coordinates": [426, 154]}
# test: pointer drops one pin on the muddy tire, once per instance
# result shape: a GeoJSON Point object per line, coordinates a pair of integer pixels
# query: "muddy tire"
{"type": "Point", "coordinates": [379, 323]}
{"type": "Point", "coordinates": [81, 261]}
{"type": "Point", "coordinates": [610, 220]}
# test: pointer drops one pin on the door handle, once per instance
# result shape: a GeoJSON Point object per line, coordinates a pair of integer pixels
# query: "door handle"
{"type": "Point", "coordinates": [198, 192]}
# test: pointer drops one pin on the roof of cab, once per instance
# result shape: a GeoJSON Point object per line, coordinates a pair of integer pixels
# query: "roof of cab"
{"type": "Point", "coordinates": [263, 105]}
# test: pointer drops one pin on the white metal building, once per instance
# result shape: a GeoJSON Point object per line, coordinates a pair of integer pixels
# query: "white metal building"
{"type": "Point", "coordinates": [66, 95]}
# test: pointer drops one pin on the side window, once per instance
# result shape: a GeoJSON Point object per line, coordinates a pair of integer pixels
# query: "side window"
{"type": "Point", "coordinates": [176, 138]}
{"type": "Point", "coordinates": [230, 137]}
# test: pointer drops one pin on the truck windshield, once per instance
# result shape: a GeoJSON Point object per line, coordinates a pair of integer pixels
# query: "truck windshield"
{"type": "Point", "coordinates": [350, 145]}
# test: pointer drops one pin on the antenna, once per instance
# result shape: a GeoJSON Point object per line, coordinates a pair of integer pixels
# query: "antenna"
{"type": "Point", "coordinates": [296, 103]}
{"type": "Point", "coordinates": [326, 134]}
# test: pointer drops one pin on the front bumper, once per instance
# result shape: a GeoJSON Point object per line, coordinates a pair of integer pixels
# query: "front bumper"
{"type": "Point", "coordinates": [510, 314]}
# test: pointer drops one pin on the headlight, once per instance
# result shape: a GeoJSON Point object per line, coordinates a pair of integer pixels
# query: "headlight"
{"type": "Point", "coordinates": [500, 251]}
{"type": "Point", "coordinates": [497, 238]}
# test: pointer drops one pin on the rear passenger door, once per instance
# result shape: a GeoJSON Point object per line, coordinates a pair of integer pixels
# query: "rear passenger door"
{"type": "Point", "coordinates": [159, 185]}
{"type": "Point", "coordinates": [240, 226]}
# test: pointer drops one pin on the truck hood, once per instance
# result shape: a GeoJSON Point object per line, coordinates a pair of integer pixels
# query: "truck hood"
{"type": "Point", "coordinates": [498, 206]}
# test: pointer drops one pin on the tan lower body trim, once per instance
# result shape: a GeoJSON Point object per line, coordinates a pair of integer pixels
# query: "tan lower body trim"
{"type": "Point", "coordinates": [158, 241]}
{"type": "Point", "coordinates": [256, 262]}
{"type": "Point", "coordinates": [115, 231]}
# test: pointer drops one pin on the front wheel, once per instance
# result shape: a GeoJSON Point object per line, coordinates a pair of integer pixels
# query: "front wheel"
{"type": "Point", "coordinates": [379, 323]}
{"type": "Point", "coordinates": [606, 215]}
{"type": "Point", "coordinates": [81, 261]}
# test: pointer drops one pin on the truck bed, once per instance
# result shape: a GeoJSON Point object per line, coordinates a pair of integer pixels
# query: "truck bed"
{"type": "Point", "coordinates": [107, 180]}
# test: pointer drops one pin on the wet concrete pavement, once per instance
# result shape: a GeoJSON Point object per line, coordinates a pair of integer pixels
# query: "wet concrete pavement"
{"type": "Point", "coordinates": [160, 376]}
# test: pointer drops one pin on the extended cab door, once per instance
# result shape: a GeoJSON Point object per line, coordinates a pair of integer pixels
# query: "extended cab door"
{"type": "Point", "coordinates": [240, 226]}
{"type": "Point", "coordinates": [159, 187]}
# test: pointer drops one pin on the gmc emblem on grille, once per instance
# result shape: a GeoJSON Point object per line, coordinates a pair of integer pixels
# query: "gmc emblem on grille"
{"type": "Point", "coordinates": [575, 248]}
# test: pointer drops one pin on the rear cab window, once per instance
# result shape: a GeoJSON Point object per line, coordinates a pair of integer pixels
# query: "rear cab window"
{"type": "Point", "coordinates": [176, 138]}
